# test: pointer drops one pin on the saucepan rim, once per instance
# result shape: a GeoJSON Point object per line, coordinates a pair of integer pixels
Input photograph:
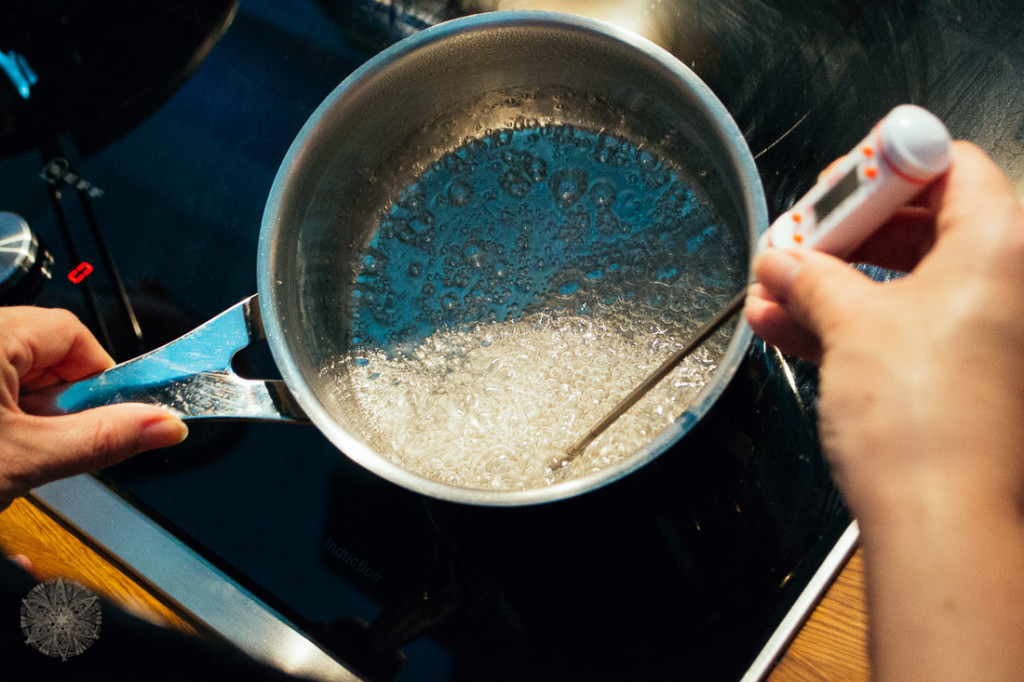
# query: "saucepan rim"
{"type": "Point", "coordinates": [268, 286]}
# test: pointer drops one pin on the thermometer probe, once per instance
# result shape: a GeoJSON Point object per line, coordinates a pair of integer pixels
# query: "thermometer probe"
{"type": "Point", "coordinates": [853, 197]}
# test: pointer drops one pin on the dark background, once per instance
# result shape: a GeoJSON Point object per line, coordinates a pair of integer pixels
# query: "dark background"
{"type": "Point", "coordinates": [679, 571]}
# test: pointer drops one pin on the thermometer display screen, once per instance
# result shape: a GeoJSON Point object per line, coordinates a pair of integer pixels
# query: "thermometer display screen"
{"type": "Point", "coordinates": [840, 191]}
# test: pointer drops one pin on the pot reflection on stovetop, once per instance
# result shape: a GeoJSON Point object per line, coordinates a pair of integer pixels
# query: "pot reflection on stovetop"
{"type": "Point", "coordinates": [673, 571]}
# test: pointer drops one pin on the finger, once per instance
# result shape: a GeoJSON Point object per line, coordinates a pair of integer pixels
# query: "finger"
{"type": "Point", "coordinates": [973, 183]}
{"type": "Point", "coordinates": [42, 449]}
{"type": "Point", "coordinates": [979, 219]}
{"type": "Point", "coordinates": [45, 345]}
{"type": "Point", "coordinates": [770, 321]}
{"type": "Point", "coordinates": [814, 289]}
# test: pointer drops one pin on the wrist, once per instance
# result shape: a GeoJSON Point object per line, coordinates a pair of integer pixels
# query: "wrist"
{"type": "Point", "coordinates": [900, 505]}
{"type": "Point", "coordinates": [943, 560]}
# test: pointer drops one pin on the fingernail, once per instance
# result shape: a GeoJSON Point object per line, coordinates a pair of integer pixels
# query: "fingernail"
{"type": "Point", "coordinates": [163, 433]}
{"type": "Point", "coordinates": [21, 560]}
{"type": "Point", "coordinates": [776, 270]}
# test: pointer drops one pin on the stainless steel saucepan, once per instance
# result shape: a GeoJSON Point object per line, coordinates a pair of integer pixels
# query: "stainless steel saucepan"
{"type": "Point", "coordinates": [510, 117]}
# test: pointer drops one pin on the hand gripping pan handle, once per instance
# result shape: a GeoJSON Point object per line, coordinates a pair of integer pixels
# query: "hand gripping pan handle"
{"type": "Point", "coordinates": [191, 376]}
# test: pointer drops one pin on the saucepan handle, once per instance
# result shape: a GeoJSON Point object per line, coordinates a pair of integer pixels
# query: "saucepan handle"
{"type": "Point", "coordinates": [191, 376]}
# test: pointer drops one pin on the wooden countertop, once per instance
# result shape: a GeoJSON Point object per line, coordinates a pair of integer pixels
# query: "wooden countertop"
{"type": "Point", "coordinates": [832, 645]}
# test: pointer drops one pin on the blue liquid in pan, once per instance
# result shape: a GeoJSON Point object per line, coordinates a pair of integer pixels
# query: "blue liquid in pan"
{"type": "Point", "coordinates": [517, 290]}
{"type": "Point", "coordinates": [555, 218]}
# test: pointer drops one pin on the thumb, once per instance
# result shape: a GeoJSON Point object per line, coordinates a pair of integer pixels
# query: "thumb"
{"type": "Point", "coordinates": [816, 290]}
{"type": "Point", "coordinates": [37, 449]}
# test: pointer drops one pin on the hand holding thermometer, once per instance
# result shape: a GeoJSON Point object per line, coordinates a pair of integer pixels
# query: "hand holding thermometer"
{"type": "Point", "coordinates": [853, 197]}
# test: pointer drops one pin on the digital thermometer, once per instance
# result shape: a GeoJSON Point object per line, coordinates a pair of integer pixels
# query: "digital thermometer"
{"type": "Point", "coordinates": [901, 155]}
{"type": "Point", "coordinates": [854, 196]}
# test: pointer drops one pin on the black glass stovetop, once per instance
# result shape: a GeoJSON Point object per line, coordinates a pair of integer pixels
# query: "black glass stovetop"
{"type": "Point", "coordinates": [680, 571]}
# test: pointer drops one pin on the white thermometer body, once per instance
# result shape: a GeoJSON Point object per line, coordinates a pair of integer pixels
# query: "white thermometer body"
{"type": "Point", "coordinates": [854, 196]}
